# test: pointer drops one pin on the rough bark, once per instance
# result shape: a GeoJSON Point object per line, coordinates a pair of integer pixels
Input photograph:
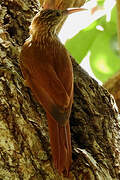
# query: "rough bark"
{"type": "Point", "coordinates": [113, 86]}
{"type": "Point", "coordinates": [24, 140]}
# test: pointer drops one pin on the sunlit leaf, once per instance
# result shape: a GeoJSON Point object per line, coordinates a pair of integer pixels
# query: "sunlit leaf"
{"type": "Point", "coordinates": [114, 15]}
{"type": "Point", "coordinates": [100, 2]}
{"type": "Point", "coordinates": [103, 60]}
{"type": "Point", "coordinates": [80, 44]}
{"type": "Point", "coordinates": [100, 38]}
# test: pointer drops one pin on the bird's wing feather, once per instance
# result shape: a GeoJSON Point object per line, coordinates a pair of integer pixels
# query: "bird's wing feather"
{"type": "Point", "coordinates": [48, 89]}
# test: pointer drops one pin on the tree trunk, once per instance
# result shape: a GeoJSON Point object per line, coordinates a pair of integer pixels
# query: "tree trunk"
{"type": "Point", "coordinates": [113, 86]}
{"type": "Point", "coordinates": [25, 152]}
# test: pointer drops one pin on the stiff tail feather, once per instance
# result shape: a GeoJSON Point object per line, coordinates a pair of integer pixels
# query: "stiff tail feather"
{"type": "Point", "coordinates": [60, 140]}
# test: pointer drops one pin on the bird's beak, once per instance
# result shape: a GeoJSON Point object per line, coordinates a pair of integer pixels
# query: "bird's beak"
{"type": "Point", "coordinates": [70, 11]}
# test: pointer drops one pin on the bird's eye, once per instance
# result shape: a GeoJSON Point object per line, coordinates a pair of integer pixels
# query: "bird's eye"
{"type": "Point", "coordinates": [57, 14]}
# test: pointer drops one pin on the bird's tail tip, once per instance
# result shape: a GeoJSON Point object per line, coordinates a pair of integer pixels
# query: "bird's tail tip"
{"type": "Point", "coordinates": [60, 140]}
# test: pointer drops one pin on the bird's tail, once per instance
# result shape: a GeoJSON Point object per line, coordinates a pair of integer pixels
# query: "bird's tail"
{"type": "Point", "coordinates": [60, 140]}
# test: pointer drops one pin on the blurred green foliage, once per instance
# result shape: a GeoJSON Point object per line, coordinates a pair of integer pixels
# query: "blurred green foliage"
{"type": "Point", "coordinates": [100, 39]}
{"type": "Point", "coordinates": [100, 2]}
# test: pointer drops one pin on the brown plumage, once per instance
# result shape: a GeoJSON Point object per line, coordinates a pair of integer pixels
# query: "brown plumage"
{"type": "Point", "coordinates": [47, 70]}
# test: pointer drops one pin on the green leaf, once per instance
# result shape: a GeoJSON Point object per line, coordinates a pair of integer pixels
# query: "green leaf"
{"type": "Point", "coordinates": [114, 15]}
{"type": "Point", "coordinates": [100, 2]}
{"type": "Point", "coordinates": [81, 43]}
{"type": "Point", "coordinates": [104, 60]}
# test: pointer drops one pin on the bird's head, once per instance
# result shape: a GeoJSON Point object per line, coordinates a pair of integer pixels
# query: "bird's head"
{"type": "Point", "coordinates": [50, 19]}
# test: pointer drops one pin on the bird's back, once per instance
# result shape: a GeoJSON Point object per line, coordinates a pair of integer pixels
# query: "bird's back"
{"type": "Point", "coordinates": [53, 54]}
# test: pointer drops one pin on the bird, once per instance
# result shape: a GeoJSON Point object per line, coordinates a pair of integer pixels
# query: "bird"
{"type": "Point", "coordinates": [47, 70]}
